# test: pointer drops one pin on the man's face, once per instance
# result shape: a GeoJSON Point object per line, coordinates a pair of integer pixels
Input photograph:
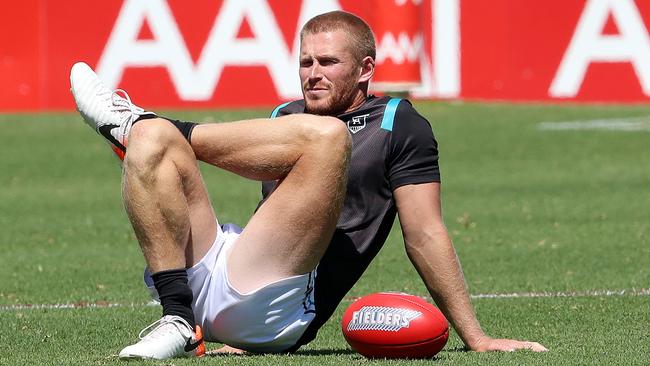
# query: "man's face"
{"type": "Point", "coordinates": [329, 73]}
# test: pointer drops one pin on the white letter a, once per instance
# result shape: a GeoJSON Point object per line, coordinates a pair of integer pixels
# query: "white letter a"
{"type": "Point", "coordinates": [590, 45]}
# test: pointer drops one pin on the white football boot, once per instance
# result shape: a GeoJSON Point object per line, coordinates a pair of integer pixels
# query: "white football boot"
{"type": "Point", "coordinates": [108, 112]}
{"type": "Point", "coordinates": [169, 337]}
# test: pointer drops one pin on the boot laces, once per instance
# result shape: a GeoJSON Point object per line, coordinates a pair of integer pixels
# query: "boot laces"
{"type": "Point", "coordinates": [121, 103]}
{"type": "Point", "coordinates": [151, 331]}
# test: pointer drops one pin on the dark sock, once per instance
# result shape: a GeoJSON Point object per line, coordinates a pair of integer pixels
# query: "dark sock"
{"type": "Point", "coordinates": [185, 127]}
{"type": "Point", "coordinates": [149, 115]}
{"type": "Point", "coordinates": [175, 294]}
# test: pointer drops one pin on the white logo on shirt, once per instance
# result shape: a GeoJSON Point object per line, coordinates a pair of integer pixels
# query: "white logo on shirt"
{"type": "Point", "coordinates": [357, 123]}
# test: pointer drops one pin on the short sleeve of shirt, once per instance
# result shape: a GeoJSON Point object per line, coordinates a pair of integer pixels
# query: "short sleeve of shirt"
{"type": "Point", "coordinates": [413, 149]}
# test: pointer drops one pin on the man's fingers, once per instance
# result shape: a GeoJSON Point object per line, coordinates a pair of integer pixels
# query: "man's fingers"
{"type": "Point", "coordinates": [536, 347]}
{"type": "Point", "coordinates": [532, 346]}
{"type": "Point", "coordinates": [225, 350]}
{"type": "Point", "coordinates": [510, 345]}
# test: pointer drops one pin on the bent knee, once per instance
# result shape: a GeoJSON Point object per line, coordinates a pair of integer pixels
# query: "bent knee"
{"type": "Point", "coordinates": [156, 130]}
{"type": "Point", "coordinates": [338, 135]}
{"type": "Point", "coordinates": [331, 132]}
{"type": "Point", "coordinates": [148, 142]}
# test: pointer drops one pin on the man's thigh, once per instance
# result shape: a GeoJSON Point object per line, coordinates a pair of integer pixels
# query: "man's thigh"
{"type": "Point", "coordinates": [290, 232]}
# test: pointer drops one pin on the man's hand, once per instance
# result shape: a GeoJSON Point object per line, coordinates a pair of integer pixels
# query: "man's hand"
{"type": "Point", "coordinates": [225, 350]}
{"type": "Point", "coordinates": [487, 344]}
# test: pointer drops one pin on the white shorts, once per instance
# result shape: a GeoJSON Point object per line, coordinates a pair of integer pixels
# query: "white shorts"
{"type": "Point", "coordinates": [269, 319]}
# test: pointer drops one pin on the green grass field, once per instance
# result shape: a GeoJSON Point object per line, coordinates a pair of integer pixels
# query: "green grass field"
{"type": "Point", "coordinates": [565, 213]}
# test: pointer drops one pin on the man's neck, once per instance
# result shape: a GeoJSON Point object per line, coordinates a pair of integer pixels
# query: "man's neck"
{"type": "Point", "coordinates": [358, 101]}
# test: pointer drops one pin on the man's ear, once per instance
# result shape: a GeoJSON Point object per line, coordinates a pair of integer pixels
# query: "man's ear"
{"type": "Point", "coordinates": [367, 69]}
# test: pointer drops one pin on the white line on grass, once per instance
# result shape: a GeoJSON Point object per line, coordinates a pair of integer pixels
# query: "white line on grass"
{"type": "Point", "coordinates": [79, 305]}
{"type": "Point", "coordinates": [592, 293]}
{"type": "Point", "coordinates": [513, 295]}
{"type": "Point", "coordinates": [612, 124]}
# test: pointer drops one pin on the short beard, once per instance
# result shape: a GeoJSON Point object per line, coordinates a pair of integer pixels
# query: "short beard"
{"type": "Point", "coordinates": [334, 106]}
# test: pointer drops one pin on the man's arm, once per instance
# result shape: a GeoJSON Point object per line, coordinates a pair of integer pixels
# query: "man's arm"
{"type": "Point", "coordinates": [429, 248]}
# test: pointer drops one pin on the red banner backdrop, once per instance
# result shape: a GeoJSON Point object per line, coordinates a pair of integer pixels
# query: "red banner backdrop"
{"type": "Point", "coordinates": [594, 50]}
{"type": "Point", "coordinates": [233, 53]}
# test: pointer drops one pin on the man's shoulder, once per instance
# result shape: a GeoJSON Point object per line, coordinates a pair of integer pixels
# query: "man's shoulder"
{"type": "Point", "coordinates": [405, 109]}
{"type": "Point", "coordinates": [398, 113]}
{"type": "Point", "coordinates": [377, 106]}
{"type": "Point", "coordinates": [390, 105]}
{"type": "Point", "coordinates": [291, 107]}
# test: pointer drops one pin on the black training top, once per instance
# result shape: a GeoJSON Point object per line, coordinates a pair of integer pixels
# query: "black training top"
{"type": "Point", "coordinates": [392, 145]}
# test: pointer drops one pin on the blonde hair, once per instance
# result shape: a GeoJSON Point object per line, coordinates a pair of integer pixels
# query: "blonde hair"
{"type": "Point", "coordinates": [361, 40]}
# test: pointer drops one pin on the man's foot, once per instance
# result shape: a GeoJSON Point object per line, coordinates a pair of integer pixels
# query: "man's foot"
{"type": "Point", "coordinates": [169, 337]}
{"type": "Point", "coordinates": [108, 112]}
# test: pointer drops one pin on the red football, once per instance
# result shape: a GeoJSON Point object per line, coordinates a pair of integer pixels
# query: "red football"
{"type": "Point", "coordinates": [394, 325]}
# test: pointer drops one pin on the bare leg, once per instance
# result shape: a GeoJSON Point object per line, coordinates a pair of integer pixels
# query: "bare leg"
{"type": "Point", "coordinates": [165, 197]}
{"type": "Point", "coordinates": [167, 205]}
{"type": "Point", "coordinates": [291, 231]}
{"type": "Point", "coordinates": [172, 215]}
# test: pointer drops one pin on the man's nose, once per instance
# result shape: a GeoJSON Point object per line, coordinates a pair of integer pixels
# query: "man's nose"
{"type": "Point", "coordinates": [315, 72]}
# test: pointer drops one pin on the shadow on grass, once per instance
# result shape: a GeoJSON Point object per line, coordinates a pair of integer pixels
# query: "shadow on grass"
{"type": "Point", "coordinates": [318, 352]}
{"type": "Point", "coordinates": [456, 349]}
{"type": "Point", "coordinates": [324, 352]}
{"type": "Point", "coordinates": [307, 352]}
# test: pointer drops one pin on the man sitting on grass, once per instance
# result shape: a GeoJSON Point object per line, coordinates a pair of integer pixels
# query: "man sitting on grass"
{"type": "Point", "coordinates": [272, 285]}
